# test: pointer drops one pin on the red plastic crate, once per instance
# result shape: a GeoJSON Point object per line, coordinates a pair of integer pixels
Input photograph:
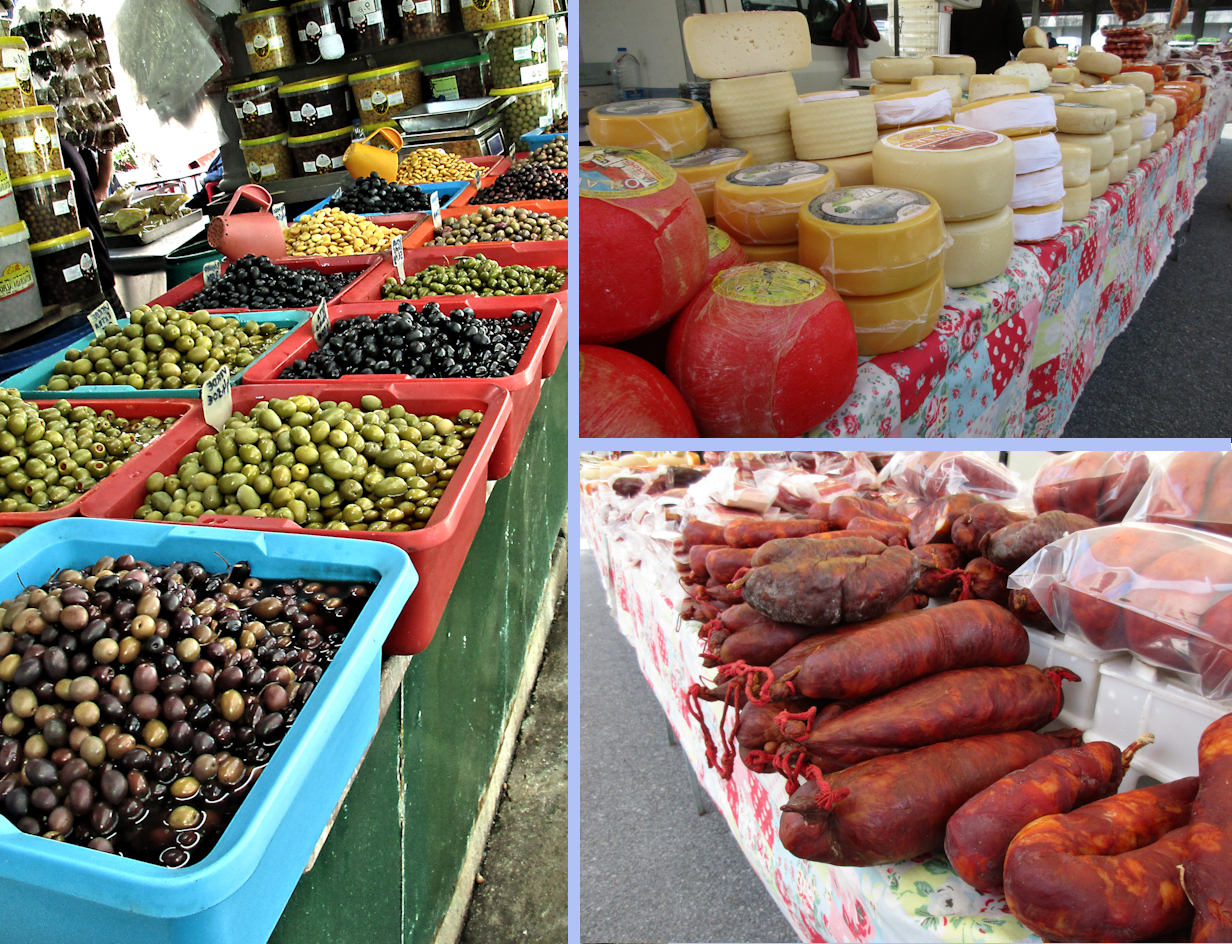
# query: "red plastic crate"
{"type": "Point", "coordinates": [329, 265]}
{"type": "Point", "coordinates": [425, 231]}
{"type": "Point", "coordinates": [403, 221]}
{"type": "Point", "coordinates": [465, 198]}
{"type": "Point", "coordinates": [523, 384]}
{"type": "Point", "coordinates": [437, 551]}
{"type": "Point", "coordinates": [493, 164]}
{"type": "Point", "coordinates": [152, 406]}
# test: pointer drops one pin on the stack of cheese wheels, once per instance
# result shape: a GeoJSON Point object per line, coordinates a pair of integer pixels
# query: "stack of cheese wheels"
{"type": "Point", "coordinates": [705, 167]}
{"type": "Point", "coordinates": [666, 127]}
{"type": "Point", "coordinates": [839, 132]}
{"type": "Point", "coordinates": [1065, 75]}
{"type": "Point", "coordinates": [961, 66]}
{"type": "Point", "coordinates": [882, 248]}
{"type": "Point", "coordinates": [1125, 131]}
{"type": "Point", "coordinates": [918, 107]}
{"type": "Point", "coordinates": [970, 174]}
{"type": "Point", "coordinates": [1036, 49]}
{"type": "Point", "coordinates": [1076, 177]}
{"type": "Point", "coordinates": [1091, 126]}
{"type": "Point", "coordinates": [932, 83]}
{"type": "Point", "coordinates": [748, 58]}
{"type": "Point", "coordinates": [759, 206]}
{"type": "Point", "coordinates": [1028, 119]}
{"type": "Point", "coordinates": [982, 86]}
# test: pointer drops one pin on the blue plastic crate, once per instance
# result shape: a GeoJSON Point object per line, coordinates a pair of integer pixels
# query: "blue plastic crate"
{"type": "Point", "coordinates": [57, 893]}
{"type": "Point", "coordinates": [446, 193]}
{"type": "Point", "coordinates": [29, 380]}
{"type": "Point", "coordinates": [535, 141]}
{"type": "Point", "coordinates": [13, 361]}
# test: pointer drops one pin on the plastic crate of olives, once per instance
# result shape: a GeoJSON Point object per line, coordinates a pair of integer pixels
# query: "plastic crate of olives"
{"type": "Point", "coordinates": [332, 267]}
{"type": "Point", "coordinates": [272, 327]}
{"type": "Point", "coordinates": [437, 530]}
{"type": "Point", "coordinates": [497, 215]}
{"type": "Point", "coordinates": [65, 892]}
{"type": "Point", "coordinates": [446, 193]}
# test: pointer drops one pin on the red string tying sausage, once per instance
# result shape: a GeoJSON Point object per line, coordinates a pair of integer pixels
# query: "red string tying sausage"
{"type": "Point", "coordinates": [782, 763]}
{"type": "Point", "coordinates": [759, 761]}
{"type": "Point", "coordinates": [731, 703]}
{"type": "Point", "coordinates": [792, 721]}
{"type": "Point", "coordinates": [827, 796]}
{"type": "Point", "coordinates": [693, 705]}
{"type": "Point", "coordinates": [1058, 675]}
{"type": "Point", "coordinates": [964, 577]}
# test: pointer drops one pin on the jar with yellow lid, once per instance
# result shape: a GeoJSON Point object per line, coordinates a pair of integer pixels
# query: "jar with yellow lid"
{"type": "Point", "coordinates": [427, 19]}
{"type": "Point", "coordinates": [16, 88]}
{"type": "Point", "coordinates": [258, 108]}
{"type": "Point", "coordinates": [318, 27]}
{"type": "Point", "coordinates": [319, 153]}
{"type": "Point", "coordinates": [529, 108]}
{"type": "Point", "coordinates": [65, 269]}
{"type": "Point", "coordinates": [318, 105]}
{"type": "Point", "coordinates": [31, 144]}
{"type": "Point", "coordinates": [518, 50]}
{"type": "Point", "coordinates": [8, 206]}
{"type": "Point", "coordinates": [268, 158]}
{"type": "Point", "coordinates": [382, 93]}
{"type": "Point", "coordinates": [457, 79]}
{"type": "Point", "coordinates": [479, 14]}
{"type": "Point", "coordinates": [267, 38]}
{"type": "Point", "coordinates": [46, 204]}
{"type": "Point", "coordinates": [366, 19]}
{"type": "Point", "coordinates": [20, 302]}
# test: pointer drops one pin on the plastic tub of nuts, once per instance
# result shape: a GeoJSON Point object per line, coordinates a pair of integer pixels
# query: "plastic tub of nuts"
{"type": "Point", "coordinates": [46, 203]}
{"type": "Point", "coordinates": [317, 105]}
{"type": "Point", "coordinates": [31, 144]}
{"type": "Point", "coordinates": [319, 153]}
{"type": "Point", "coordinates": [245, 880]}
{"type": "Point", "coordinates": [318, 27]}
{"type": "Point", "coordinates": [388, 91]}
{"type": "Point", "coordinates": [519, 51]}
{"type": "Point", "coordinates": [268, 158]}
{"type": "Point", "coordinates": [16, 90]}
{"type": "Point", "coordinates": [457, 79]}
{"type": "Point", "coordinates": [20, 302]}
{"type": "Point", "coordinates": [480, 14]}
{"type": "Point", "coordinates": [260, 112]}
{"type": "Point", "coordinates": [427, 19]}
{"type": "Point", "coordinates": [65, 269]}
{"type": "Point", "coordinates": [529, 109]}
{"type": "Point", "coordinates": [267, 38]}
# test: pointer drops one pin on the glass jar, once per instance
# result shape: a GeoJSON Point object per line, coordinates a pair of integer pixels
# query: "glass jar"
{"type": "Point", "coordinates": [427, 19]}
{"type": "Point", "coordinates": [258, 108]}
{"type": "Point", "coordinates": [16, 90]}
{"type": "Point", "coordinates": [529, 109]}
{"type": "Point", "coordinates": [20, 302]}
{"type": "Point", "coordinates": [382, 93]}
{"type": "Point", "coordinates": [479, 14]}
{"type": "Point", "coordinates": [47, 205]}
{"type": "Point", "coordinates": [367, 23]}
{"type": "Point", "coordinates": [268, 159]}
{"type": "Point", "coordinates": [315, 22]}
{"type": "Point", "coordinates": [318, 105]}
{"type": "Point", "coordinates": [267, 38]}
{"type": "Point", "coordinates": [31, 144]}
{"type": "Point", "coordinates": [457, 79]}
{"type": "Point", "coordinates": [319, 153]}
{"type": "Point", "coordinates": [65, 269]}
{"type": "Point", "coordinates": [519, 51]}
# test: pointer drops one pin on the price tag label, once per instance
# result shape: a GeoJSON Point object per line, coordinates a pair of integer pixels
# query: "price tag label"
{"type": "Point", "coordinates": [212, 271]}
{"type": "Point", "coordinates": [320, 324]}
{"type": "Point", "coordinates": [216, 398]}
{"type": "Point", "coordinates": [100, 317]}
{"type": "Point", "coordinates": [478, 177]}
{"type": "Point", "coordinates": [280, 213]}
{"type": "Point", "coordinates": [399, 257]}
{"type": "Point", "coordinates": [435, 201]}
{"type": "Point", "coordinates": [333, 197]}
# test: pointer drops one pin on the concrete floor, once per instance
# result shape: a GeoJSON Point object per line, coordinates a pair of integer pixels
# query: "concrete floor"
{"type": "Point", "coordinates": [524, 895]}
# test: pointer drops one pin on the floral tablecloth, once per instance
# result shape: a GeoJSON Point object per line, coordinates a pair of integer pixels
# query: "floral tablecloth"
{"type": "Point", "coordinates": [1011, 356]}
{"type": "Point", "coordinates": [917, 900]}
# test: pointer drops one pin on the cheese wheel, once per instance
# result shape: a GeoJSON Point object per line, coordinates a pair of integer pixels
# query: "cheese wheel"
{"type": "Point", "coordinates": [1098, 63]}
{"type": "Point", "coordinates": [1099, 182]}
{"type": "Point", "coordinates": [970, 173]}
{"type": "Point", "coordinates": [996, 86]}
{"type": "Point", "coordinates": [888, 323]}
{"type": "Point", "coordinates": [1036, 73]}
{"type": "Point", "coordinates": [765, 148]}
{"type": "Point", "coordinates": [783, 252]}
{"type": "Point", "coordinates": [666, 127]}
{"type": "Point", "coordinates": [1118, 168]}
{"type": "Point", "coordinates": [913, 108]}
{"type": "Point", "coordinates": [1158, 139]}
{"type": "Point", "coordinates": [753, 104]}
{"type": "Point", "coordinates": [872, 240]}
{"type": "Point", "coordinates": [822, 96]}
{"type": "Point", "coordinates": [980, 249]}
{"type": "Point", "coordinates": [953, 65]}
{"type": "Point", "coordinates": [833, 128]}
{"type": "Point", "coordinates": [1010, 114]}
{"type": "Point", "coordinates": [730, 45]}
{"type": "Point", "coordinates": [1144, 80]}
{"type": "Point", "coordinates": [1135, 154]}
{"type": "Point", "coordinates": [1112, 96]}
{"type": "Point", "coordinates": [1032, 224]}
{"type": "Point", "coordinates": [702, 169]}
{"type": "Point", "coordinates": [888, 88]}
{"type": "Point", "coordinates": [1036, 152]}
{"type": "Point", "coordinates": [1135, 127]}
{"type": "Point", "coordinates": [949, 83]}
{"type": "Point", "coordinates": [1065, 74]}
{"type": "Point", "coordinates": [1086, 79]}
{"type": "Point", "coordinates": [1034, 36]}
{"type": "Point", "coordinates": [1170, 129]}
{"type": "Point", "coordinates": [1161, 110]}
{"type": "Point", "coordinates": [1075, 118]}
{"type": "Point", "coordinates": [1062, 59]}
{"type": "Point", "coordinates": [1150, 68]}
{"type": "Point", "coordinates": [1168, 105]}
{"type": "Point", "coordinates": [1038, 189]}
{"type": "Point", "coordinates": [1077, 203]}
{"type": "Point", "coordinates": [852, 171]}
{"type": "Point", "coordinates": [725, 252]}
{"type": "Point", "coordinates": [1075, 164]}
{"type": "Point", "coordinates": [900, 69]}
{"type": "Point", "coordinates": [1122, 136]}
{"type": "Point", "coordinates": [1031, 54]}
{"type": "Point", "coordinates": [761, 203]}
{"type": "Point", "coordinates": [1137, 97]}
{"type": "Point", "coordinates": [1149, 123]}
{"type": "Point", "coordinates": [1100, 146]}
{"type": "Point", "coordinates": [1058, 92]}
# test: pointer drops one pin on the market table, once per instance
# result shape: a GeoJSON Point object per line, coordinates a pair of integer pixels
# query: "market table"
{"type": "Point", "coordinates": [1010, 357]}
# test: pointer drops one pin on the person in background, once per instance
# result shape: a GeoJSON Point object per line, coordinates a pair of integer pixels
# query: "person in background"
{"type": "Point", "coordinates": [1052, 42]}
{"type": "Point", "coordinates": [991, 34]}
{"type": "Point", "coordinates": [91, 179]}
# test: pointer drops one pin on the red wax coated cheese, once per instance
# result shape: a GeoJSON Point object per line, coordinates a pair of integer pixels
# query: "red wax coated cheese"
{"type": "Point", "coordinates": [725, 253]}
{"type": "Point", "coordinates": [619, 394]}
{"type": "Point", "coordinates": [766, 349]}
{"type": "Point", "coordinates": [644, 248]}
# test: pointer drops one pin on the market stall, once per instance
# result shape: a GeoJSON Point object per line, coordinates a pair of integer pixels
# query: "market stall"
{"type": "Point", "coordinates": [636, 517]}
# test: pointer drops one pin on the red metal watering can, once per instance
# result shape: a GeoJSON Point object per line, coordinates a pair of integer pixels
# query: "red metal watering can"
{"type": "Point", "coordinates": [257, 233]}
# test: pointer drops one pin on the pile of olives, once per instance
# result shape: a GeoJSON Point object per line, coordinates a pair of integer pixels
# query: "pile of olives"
{"type": "Point", "coordinates": [321, 465]}
{"type": "Point", "coordinates": [164, 348]}
{"type": "Point", "coordinates": [496, 224]}
{"type": "Point", "coordinates": [374, 194]}
{"type": "Point", "coordinates": [256, 283]}
{"type": "Point", "coordinates": [50, 457]}
{"type": "Point", "coordinates": [144, 701]}
{"type": "Point", "coordinates": [476, 275]}
{"type": "Point", "coordinates": [526, 180]}
{"type": "Point", "coordinates": [554, 154]}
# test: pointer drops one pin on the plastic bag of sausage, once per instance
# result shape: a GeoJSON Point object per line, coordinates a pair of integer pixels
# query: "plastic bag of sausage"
{"type": "Point", "coordinates": [1100, 485]}
{"type": "Point", "coordinates": [1162, 592]}
{"type": "Point", "coordinates": [931, 475]}
{"type": "Point", "coordinates": [1191, 489]}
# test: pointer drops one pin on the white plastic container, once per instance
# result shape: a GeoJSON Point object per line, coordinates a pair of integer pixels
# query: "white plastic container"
{"type": "Point", "coordinates": [1049, 648]}
{"type": "Point", "coordinates": [20, 302]}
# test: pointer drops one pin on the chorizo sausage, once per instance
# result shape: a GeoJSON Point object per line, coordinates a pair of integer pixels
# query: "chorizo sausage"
{"type": "Point", "coordinates": [819, 510]}
{"type": "Point", "coordinates": [1210, 650]}
{"type": "Point", "coordinates": [1026, 607]}
{"type": "Point", "coordinates": [753, 532]}
{"type": "Point", "coordinates": [763, 643]}
{"type": "Point", "coordinates": [892, 808]}
{"type": "Point", "coordinates": [784, 549]}
{"type": "Point", "coordinates": [890, 533]}
{"type": "Point", "coordinates": [759, 729]}
{"type": "Point", "coordinates": [846, 507]}
{"type": "Point", "coordinates": [1207, 862]}
{"type": "Point", "coordinates": [1181, 487]}
{"type": "Point", "coordinates": [1012, 546]}
{"type": "Point", "coordinates": [969, 529]}
{"type": "Point", "coordinates": [912, 601]}
{"type": "Point", "coordinates": [933, 522]}
{"type": "Point", "coordinates": [1106, 871]}
{"type": "Point", "coordinates": [697, 558]}
{"type": "Point", "coordinates": [978, 835]}
{"type": "Point", "coordinates": [939, 563]}
{"type": "Point", "coordinates": [983, 580]}
{"type": "Point", "coordinates": [718, 591]}
{"type": "Point", "coordinates": [722, 563]}
{"type": "Point", "coordinates": [1100, 485]}
{"type": "Point", "coordinates": [1217, 511]}
{"type": "Point", "coordinates": [701, 532]}
{"type": "Point", "coordinates": [930, 475]}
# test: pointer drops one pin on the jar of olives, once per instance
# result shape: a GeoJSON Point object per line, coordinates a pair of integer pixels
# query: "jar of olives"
{"type": "Point", "coordinates": [519, 51]}
{"type": "Point", "coordinates": [46, 203]}
{"type": "Point", "coordinates": [267, 38]}
{"type": "Point", "coordinates": [529, 108]}
{"type": "Point", "coordinates": [258, 108]}
{"type": "Point", "coordinates": [317, 29]}
{"type": "Point", "coordinates": [427, 19]}
{"type": "Point", "coordinates": [457, 79]}
{"type": "Point", "coordinates": [478, 14]}
{"type": "Point", "coordinates": [65, 269]}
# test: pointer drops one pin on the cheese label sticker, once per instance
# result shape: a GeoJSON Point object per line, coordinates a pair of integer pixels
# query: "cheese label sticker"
{"type": "Point", "coordinates": [216, 398]}
{"type": "Point", "coordinates": [100, 318]}
{"type": "Point", "coordinates": [869, 206]}
{"type": "Point", "coordinates": [719, 240]}
{"type": "Point", "coordinates": [645, 106]}
{"type": "Point", "coordinates": [211, 272]}
{"type": "Point", "coordinates": [320, 323]}
{"type": "Point", "coordinates": [941, 138]}
{"type": "Point", "coordinates": [769, 283]}
{"type": "Point", "coordinates": [615, 173]}
{"type": "Point", "coordinates": [777, 174]}
{"type": "Point", "coordinates": [709, 157]}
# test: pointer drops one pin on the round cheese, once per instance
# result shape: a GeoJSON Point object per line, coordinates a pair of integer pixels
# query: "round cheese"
{"type": "Point", "coordinates": [852, 171]}
{"type": "Point", "coordinates": [753, 104]}
{"type": "Point", "coordinates": [783, 252]}
{"type": "Point", "coordinates": [1036, 56]}
{"type": "Point", "coordinates": [765, 148]}
{"type": "Point", "coordinates": [1075, 164]}
{"type": "Point", "coordinates": [702, 169]}
{"type": "Point", "coordinates": [666, 127]}
{"type": "Point", "coordinates": [1160, 110]}
{"type": "Point", "coordinates": [761, 203]}
{"type": "Point", "coordinates": [1122, 136]}
{"type": "Point", "coordinates": [888, 88]}
{"type": "Point", "coordinates": [833, 128]}
{"type": "Point", "coordinates": [1158, 139]}
{"type": "Point", "coordinates": [1148, 119]}
{"type": "Point", "coordinates": [1031, 224]}
{"type": "Point", "coordinates": [1169, 106]}
{"type": "Point", "coordinates": [1099, 182]}
{"type": "Point", "coordinates": [1137, 97]}
{"type": "Point", "coordinates": [728, 45]}
{"type": "Point", "coordinates": [872, 240]}
{"type": "Point", "coordinates": [822, 96]}
{"type": "Point", "coordinates": [1086, 79]}
{"type": "Point", "coordinates": [1034, 36]}
{"type": "Point", "coordinates": [1111, 96]}
{"type": "Point", "coordinates": [725, 252]}
{"type": "Point", "coordinates": [996, 86]}
{"type": "Point", "coordinates": [1100, 146]}
{"type": "Point", "coordinates": [1170, 128]}
{"type": "Point", "coordinates": [1010, 114]}
{"type": "Point", "coordinates": [980, 249]}
{"type": "Point", "coordinates": [912, 108]}
{"type": "Point", "coordinates": [1118, 168]}
{"type": "Point", "coordinates": [1062, 59]}
{"type": "Point", "coordinates": [888, 323]}
{"type": "Point", "coordinates": [1135, 127]}
{"type": "Point", "coordinates": [1036, 152]}
{"type": "Point", "coordinates": [1058, 92]}
{"type": "Point", "coordinates": [1037, 74]}
{"type": "Point", "coordinates": [1077, 203]}
{"type": "Point", "coordinates": [970, 173]}
{"type": "Point", "coordinates": [1134, 151]}
{"type": "Point", "coordinates": [953, 65]}
{"type": "Point", "coordinates": [1076, 118]}
{"type": "Point", "coordinates": [900, 69]}
{"type": "Point", "coordinates": [1097, 63]}
{"type": "Point", "coordinates": [1144, 80]}
{"type": "Point", "coordinates": [1065, 74]}
{"type": "Point", "coordinates": [1038, 189]}
{"type": "Point", "coordinates": [949, 83]}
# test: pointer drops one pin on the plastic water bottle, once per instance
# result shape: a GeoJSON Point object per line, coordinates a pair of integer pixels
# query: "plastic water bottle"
{"type": "Point", "coordinates": [627, 74]}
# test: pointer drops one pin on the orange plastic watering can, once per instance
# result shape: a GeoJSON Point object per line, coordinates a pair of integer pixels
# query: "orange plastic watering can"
{"type": "Point", "coordinates": [362, 158]}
